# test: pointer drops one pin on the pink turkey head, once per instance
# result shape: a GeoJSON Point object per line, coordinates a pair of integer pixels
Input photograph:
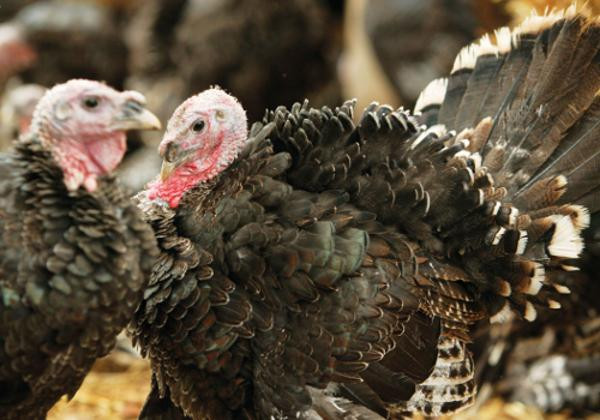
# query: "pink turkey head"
{"type": "Point", "coordinates": [83, 124]}
{"type": "Point", "coordinates": [203, 137]}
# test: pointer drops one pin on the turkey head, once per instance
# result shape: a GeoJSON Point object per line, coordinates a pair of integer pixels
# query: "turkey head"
{"type": "Point", "coordinates": [83, 124]}
{"type": "Point", "coordinates": [204, 136]}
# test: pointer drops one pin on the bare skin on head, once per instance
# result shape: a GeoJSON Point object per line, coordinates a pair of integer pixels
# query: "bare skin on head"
{"type": "Point", "coordinates": [203, 137]}
{"type": "Point", "coordinates": [83, 124]}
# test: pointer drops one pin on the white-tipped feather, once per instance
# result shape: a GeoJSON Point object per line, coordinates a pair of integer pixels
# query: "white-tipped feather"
{"type": "Point", "coordinates": [486, 47]}
{"type": "Point", "coordinates": [563, 290]}
{"type": "Point", "coordinates": [433, 94]}
{"type": "Point", "coordinates": [496, 208]}
{"type": "Point", "coordinates": [504, 289]}
{"type": "Point", "coordinates": [537, 280]}
{"type": "Point", "coordinates": [553, 304]}
{"type": "Point", "coordinates": [428, 203]}
{"type": "Point", "coordinates": [530, 312]}
{"type": "Point", "coordinates": [512, 217]}
{"type": "Point", "coordinates": [560, 182]}
{"type": "Point", "coordinates": [481, 197]}
{"type": "Point", "coordinates": [505, 39]}
{"type": "Point", "coordinates": [466, 58]}
{"type": "Point", "coordinates": [438, 129]}
{"type": "Point", "coordinates": [503, 315]}
{"type": "Point", "coordinates": [471, 176]}
{"type": "Point", "coordinates": [498, 236]}
{"type": "Point", "coordinates": [566, 241]}
{"type": "Point", "coordinates": [463, 153]}
{"type": "Point", "coordinates": [476, 158]}
{"type": "Point", "coordinates": [534, 23]}
{"type": "Point", "coordinates": [496, 353]}
{"type": "Point", "coordinates": [580, 216]}
{"type": "Point", "coordinates": [522, 243]}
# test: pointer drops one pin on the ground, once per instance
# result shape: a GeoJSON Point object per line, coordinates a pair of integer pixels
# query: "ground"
{"type": "Point", "coordinates": [118, 384]}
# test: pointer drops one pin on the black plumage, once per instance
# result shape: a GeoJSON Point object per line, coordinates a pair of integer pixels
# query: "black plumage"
{"type": "Point", "coordinates": [73, 266]}
{"type": "Point", "coordinates": [360, 257]}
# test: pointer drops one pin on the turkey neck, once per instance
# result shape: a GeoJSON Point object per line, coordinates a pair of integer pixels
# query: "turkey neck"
{"type": "Point", "coordinates": [199, 212]}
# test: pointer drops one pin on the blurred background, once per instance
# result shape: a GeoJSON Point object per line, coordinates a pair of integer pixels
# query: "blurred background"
{"type": "Point", "coordinates": [267, 53]}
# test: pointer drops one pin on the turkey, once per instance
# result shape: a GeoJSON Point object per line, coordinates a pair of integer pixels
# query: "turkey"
{"type": "Point", "coordinates": [310, 259]}
{"type": "Point", "coordinates": [75, 254]}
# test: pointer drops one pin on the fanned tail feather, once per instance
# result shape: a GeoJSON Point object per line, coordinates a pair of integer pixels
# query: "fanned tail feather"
{"type": "Point", "coordinates": [527, 108]}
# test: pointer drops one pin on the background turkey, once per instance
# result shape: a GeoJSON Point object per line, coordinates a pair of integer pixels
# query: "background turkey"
{"type": "Point", "coordinates": [74, 252]}
{"type": "Point", "coordinates": [361, 256]}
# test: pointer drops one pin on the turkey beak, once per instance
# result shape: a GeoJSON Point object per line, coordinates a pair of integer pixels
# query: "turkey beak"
{"type": "Point", "coordinates": [134, 116]}
{"type": "Point", "coordinates": [166, 169]}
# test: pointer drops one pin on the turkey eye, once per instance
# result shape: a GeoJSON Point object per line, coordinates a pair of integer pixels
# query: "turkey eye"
{"type": "Point", "coordinates": [198, 126]}
{"type": "Point", "coordinates": [90, 102]}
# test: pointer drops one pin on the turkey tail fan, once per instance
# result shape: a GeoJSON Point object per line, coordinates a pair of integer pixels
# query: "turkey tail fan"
{"type": "Point", "coordinates": [430, 100]}
{"type": "Point", "coordinates": [526, 109]}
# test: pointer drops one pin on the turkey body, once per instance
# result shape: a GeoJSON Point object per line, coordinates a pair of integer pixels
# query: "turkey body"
{"type": "Point", "coordinates": [73, 268]}
{"type": "Point", "coordinates": [346, 261]}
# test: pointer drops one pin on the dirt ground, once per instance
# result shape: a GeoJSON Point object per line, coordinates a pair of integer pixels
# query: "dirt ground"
{"type": "Point", "coordinates": [117, 387]}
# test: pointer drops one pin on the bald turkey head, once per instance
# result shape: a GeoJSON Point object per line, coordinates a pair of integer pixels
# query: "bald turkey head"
{"type": "Point", "coordinates": [83, 124]}
{"type": "Point", "coordinates": [203, 137]}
